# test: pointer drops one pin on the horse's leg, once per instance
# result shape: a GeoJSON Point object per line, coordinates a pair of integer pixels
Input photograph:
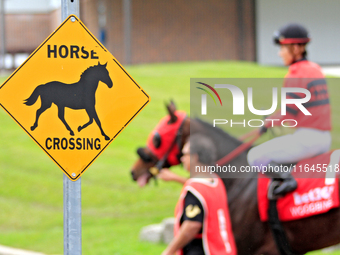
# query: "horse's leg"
{"type": "Point", "coordinates": [100, 126]}
{"type": "Point", "coordinates": [80, 128]}
{"type": "Point", "coordinates": [93, 115]}
{"type": "Point", "coordinates": [61, 113]}
{"type": "Point", "coordinates": [44, 106]}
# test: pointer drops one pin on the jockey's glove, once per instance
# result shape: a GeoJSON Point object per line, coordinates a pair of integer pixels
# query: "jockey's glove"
{"type": "Point", "coordinates": [263, 130]}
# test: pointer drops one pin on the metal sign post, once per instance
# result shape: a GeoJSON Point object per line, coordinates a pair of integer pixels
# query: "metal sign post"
{"type": "Point", "coordinates": [127, 14]}
{"type": "Point", "coordinates": [72, 216]}
{"type": "Point", "coordinates": [3, 35]}
{"type": "Point", "coordinates": [71, 189]}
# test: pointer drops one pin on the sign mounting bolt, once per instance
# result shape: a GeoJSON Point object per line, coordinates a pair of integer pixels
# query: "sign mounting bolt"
{"type": "Point", "coordinates": [73, 19]}
{"type": "Point", "coordinates": [73, 175]}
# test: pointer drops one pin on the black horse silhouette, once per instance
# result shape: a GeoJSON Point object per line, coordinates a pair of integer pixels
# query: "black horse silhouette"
{"type": "Point", "coordinates": [79, 95]}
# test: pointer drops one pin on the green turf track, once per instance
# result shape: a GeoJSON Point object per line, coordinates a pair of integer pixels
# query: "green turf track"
{"type": "Point", "coordinates": [114, 208]}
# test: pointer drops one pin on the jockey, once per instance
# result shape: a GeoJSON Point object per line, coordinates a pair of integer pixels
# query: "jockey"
{"type": "Point", "coordinates": [312, 135]}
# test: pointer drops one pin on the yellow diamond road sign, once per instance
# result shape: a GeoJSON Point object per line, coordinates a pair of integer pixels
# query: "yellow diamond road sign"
{"type": "Point", "coordinates": [72, 97]}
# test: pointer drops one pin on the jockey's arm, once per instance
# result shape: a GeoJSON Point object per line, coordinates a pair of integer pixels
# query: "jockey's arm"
{"type": "Point", "coordinates": [166, 175]}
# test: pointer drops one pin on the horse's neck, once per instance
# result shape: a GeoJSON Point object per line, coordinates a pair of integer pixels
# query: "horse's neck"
{"type": "Point", "coordinates": [241, 191]}
{"type": "Point", "coordinates": [240, 188]}
{"type": "Point", "coordinates": [89, 82]}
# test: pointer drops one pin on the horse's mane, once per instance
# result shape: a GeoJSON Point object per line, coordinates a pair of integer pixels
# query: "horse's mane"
{"type": "Point", "coordinates": [87, 71]}
{"type": "Point", "coordinates": [217, 133]}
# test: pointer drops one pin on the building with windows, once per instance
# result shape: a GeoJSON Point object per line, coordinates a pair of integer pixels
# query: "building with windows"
{"type": "Point", "coordinates": [148, 31]}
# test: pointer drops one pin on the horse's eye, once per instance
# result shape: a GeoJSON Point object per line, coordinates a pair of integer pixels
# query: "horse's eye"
{"type": "Point", "coordinates": [156, 140]}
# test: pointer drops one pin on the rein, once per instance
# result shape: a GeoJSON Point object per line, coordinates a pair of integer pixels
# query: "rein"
{"type": "Point", "coordinates": [154, 171]}
{"type": "Point", "coordinates": [241, 148]}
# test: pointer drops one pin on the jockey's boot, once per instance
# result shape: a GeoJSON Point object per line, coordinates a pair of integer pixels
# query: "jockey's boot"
{"type": "Point", "coordinates": [288, 183]}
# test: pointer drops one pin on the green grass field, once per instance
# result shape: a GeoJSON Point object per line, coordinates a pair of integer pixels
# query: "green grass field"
{"type": "Point", "coordinates": [114, 208]}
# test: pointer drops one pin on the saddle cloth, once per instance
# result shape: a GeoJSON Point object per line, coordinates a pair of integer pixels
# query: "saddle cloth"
{"type": "Point", "coordinates": [317, 192]}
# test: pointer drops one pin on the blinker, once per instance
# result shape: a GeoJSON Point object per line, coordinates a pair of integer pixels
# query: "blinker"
{"type": "Point", "coordinates": [145, 157]}
{"type": "Point", "coordinates": [157, 140]}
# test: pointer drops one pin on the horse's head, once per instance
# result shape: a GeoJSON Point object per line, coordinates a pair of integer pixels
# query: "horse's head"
{"type": "Point", "coordinates": [103, 74]}
{"type": "Point", "coordinates": [164, 145]}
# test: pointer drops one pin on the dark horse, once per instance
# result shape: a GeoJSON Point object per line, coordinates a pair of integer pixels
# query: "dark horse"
{"type": "Point", "coordinates": [79, 95]}
{"type": "Point", "coordinates": [251, 235]}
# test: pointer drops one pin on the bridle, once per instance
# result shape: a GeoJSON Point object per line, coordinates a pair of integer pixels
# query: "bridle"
{"type": "Point", "coordinates": [154, 171]}
{"type": "Point", "coordinates": [241, 148]}
{"type": "Point", "coordinates": [165, 142]}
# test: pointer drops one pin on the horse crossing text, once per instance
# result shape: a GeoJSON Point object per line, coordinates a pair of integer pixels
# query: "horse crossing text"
{"type": "Point", "coordinates": [72, 51]}
{"type": "Point", "coordinates": [56, 143]}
